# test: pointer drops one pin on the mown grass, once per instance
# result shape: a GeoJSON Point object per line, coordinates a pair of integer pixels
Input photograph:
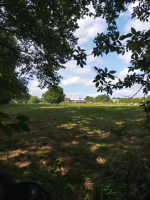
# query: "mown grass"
{"type": "Point", "coordinates": [77, 135]}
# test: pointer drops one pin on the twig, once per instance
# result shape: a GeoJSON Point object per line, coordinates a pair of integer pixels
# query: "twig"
{"type": "Point", "coordinates": [135, 93]}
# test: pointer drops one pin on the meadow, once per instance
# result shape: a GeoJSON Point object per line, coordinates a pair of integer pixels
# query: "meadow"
{"type": "Point", "coordinates": [78, 138]}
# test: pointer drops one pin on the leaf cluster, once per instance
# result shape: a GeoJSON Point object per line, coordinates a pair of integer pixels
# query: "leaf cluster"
{"type": "Point", "coordinates": [8, 128]}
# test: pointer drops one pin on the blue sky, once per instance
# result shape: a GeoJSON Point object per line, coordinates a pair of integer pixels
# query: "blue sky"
{"type": "Point", "coordinates": [77, 82]}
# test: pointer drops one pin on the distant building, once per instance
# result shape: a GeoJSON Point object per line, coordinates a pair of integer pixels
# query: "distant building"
{"type": "Point", "coordinates": [115, 100]}
{"type": "Point", "coordinates": [77, 101]}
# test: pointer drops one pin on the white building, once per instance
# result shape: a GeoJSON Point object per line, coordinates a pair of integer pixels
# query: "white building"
{"type": "Point", "coordinates": [77, 101]}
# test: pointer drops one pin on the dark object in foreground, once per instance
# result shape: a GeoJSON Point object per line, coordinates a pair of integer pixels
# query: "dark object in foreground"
{"type": "Point", "coordinates": [21, 190]}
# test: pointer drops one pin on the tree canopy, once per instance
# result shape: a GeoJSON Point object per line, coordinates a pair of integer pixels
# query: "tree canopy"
{"type": "Point", "coordinates": [33, 99]}
{"type": "Point", "coordinates": [54, 95]}
{"type": "Point", "coordinates": [11, 86]}
{"type": "Point", "coordinates": [46, 41]}
{"type": "Point", "coordinates": [44, 31]}
{"type": "Point", "coordinates": [88, 98]}
{"type": "Point", "coordinates": [102, 98]}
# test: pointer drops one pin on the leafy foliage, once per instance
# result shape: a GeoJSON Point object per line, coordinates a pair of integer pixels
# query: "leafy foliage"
{"type": "Point", "coordinates": [7, 128]}
{"type": "Point", "coordinates": [33, 99]}
{"type": "Point", "coordinates": [45, 32]}
{"type": "Point", "coordinates": [61, 184]}
{"type": "Point", "coordinates": [128, 100]}
{"type": "Point", "coordinates": [102, 98]}
{"type": "Point", "coordinates": [66, 99]}
{"type": "Point", "coordinates": [89, 99]}
{"type": "Point", "coordinates": [138, 45]}
{"type": "Point", "coordinates": [54, 95]}
{"type": "Point", "coordinates": [146, 106]}
{"type": "Point", "coordinates": [12, 86]}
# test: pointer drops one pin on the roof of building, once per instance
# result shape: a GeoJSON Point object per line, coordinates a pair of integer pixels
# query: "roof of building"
{"type": "Point", "coordinates": [77, 99]}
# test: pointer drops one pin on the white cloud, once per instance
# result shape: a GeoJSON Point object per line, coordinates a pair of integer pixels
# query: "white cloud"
{"type": "Point", "coordinates": [74, 81]}
{"type": "Point", "coordinates": [77, 95]}
{"type": "Point", "coordinates": [124, 73]}
{"type": "Point", "coordinates": [129, 92]}
{"type": "Point", "coordinates": [137, 24]}
{"type": "Point", "coordinates": [76, 69]}
{"type": "Point", "coordinates": [126, 58]}
{"type": "Point", "coordinates": [91, 59]}
{"type": "Point", "coordinates": [78, 81]}
{"type": "Point", "coordinates": [72, 66]}
{"type": "Point", "coordinates": [89, 27]}
{"type": "Point", "coordinates": [34, 90]}
{"type": "Point", "coordinates": [130, 6]}
{"type": "Point", "coordinates": [130, 9]}
{"type": "Point", "coordinates": [90, 83]}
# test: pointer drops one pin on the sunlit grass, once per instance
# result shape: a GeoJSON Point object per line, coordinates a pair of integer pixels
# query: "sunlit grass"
{"type": "Point", "coordinates": [76, 134]}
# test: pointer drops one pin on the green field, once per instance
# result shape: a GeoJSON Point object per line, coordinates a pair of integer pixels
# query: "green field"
{"type": "Point", "coordinates": [79, 135]}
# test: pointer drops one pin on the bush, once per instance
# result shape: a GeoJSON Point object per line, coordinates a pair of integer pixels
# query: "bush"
{"type": "Point", "coordinates": [33, 99]}
{"type": "Point", "coordinates": [54, 95]}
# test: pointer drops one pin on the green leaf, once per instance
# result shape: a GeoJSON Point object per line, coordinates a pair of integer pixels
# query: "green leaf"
{"type": "Point", "coordinates": [94, 81]}
{"type": "Point", "coordinates": [129, 35]}
{"type": "Point", "coordinates": [6, 77]}
{"type": "Point", "coordinates": [133, 30]}
{"type": "Point", "coordinates": [138, 49]}
{"type": "Point", "coordinates": [3, 115]}
{"type": "Point", "coordinates": [119, 42]}
{"type": "Point", "coordinates": [107, 51]}
{"type": "Point", "coordinates": [101, 82]}
{"type": "Point", "coordinates": [81, 65]}
{"type": "Point", "coordinates": [113, 39]}
{"type": "Point", "coordinates": [6, 130]}
{"type": "Point", "coordinates": [15, 127]}
{"type": "Point", "coordinates": [112, 72]}
{"type": "Point", "coordinates": [114, 43]}
{"type": "Point", "coordinates": [24, 126]}
{"type": "Point", "coordinates": [112, 77]}
{"type": "Point", "coordinates": [117, 35]}
{"type": "Point", "coordinates": [75, 180]}
{"type": "Point", "coordinates": [123, 52]}
{"type": "Point", "coordinates": [97, 84]}
{"type": "Point", "coordinates": [97, 77]}
{"type": "Point", "coordinates": [22, 118]}
{"type": "Point", "coordinates": [122, 37]}
{"type": "Point", "coordinates": [68, 192]}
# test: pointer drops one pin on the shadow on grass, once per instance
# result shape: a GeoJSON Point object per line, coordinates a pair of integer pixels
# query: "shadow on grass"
{"type": "Point", "coordinates": [78, 135]}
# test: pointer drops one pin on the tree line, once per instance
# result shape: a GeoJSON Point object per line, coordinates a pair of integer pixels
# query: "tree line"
{"type": "Point", "coordinates": [53, 95]}
{"type": "Point", "coordinates": [106, 98]}
{"type": "Point", "coordinates": [133, 100]}
{"type": "Point", "coordinates": [99, 98]}
{"type": "Point", "coordinates": [56, 95]}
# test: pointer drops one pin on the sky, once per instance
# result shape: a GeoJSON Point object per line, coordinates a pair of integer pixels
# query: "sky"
{"type": "Point", "coordinates": [77, 82]}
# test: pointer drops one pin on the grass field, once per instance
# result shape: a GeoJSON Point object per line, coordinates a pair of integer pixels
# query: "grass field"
{"type": "Point", "coordinates": [80, 135]}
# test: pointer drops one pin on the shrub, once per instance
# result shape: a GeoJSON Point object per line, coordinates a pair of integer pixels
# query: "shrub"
{"type": "Point", "coordinates": [33, 99]}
